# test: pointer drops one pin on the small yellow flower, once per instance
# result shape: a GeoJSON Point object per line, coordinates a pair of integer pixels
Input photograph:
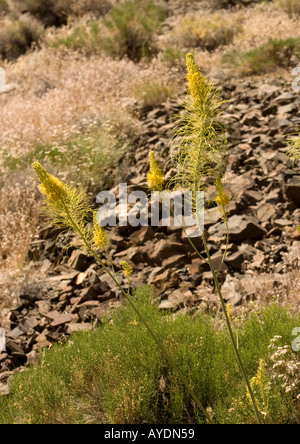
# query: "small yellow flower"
{"type": "Point", "coordinates": [298, 228]}
{"type": "Point", "coordinates": [155, 177]}
{"type": "Point", "coordinates": [127, 269]}
{"type": "Point", "coordinates": [222, 199]}
{"type": "Point", "coordinates": [99, 235]}
{"type": "Point", "coordinates": [229, 311]}
{"type": "Point", "coordinates": [50, 185]}
{"type": "Point", "coordinates": [261, 388]}
{"type": "Point", "coordinates": [133, 323]}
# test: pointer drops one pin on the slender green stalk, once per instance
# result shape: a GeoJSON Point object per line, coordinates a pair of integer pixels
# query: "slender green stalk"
{"type": "Point", "coordinates": [228, 323]}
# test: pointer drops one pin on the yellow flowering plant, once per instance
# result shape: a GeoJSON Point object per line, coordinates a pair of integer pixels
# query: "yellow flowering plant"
{"type": "Point", "coordinates": [70, 209]}
{"type": "Point", "coordinates": [201, 153]}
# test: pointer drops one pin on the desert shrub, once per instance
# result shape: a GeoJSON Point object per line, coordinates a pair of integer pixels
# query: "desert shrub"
{"type": "Point", "coordinates": [18, 36]}
{"type": "Point", "coordinates": [265, 58]}
{"type": "Point", "coordinates": [173, 57]}
{"type": "Point", "coordinates": [98, 7]}
{"type": "Point", "coordinates": [3, 6]}
{"type": "Point", "coordinates": [50, 12]}
{"type": "Point", "coordinates": [84, 38]}
{"type": "Point", "coordinates": [290, 6]}
{"type": "Point", "coordinates": [89, 160]}
{"type": "Point", "coordinates": [205, 32]}
{"type": "Point", "coordinates": [116, 374]}
{"type": "Point", "coordinates": [57, 12]}
{"type": "Point", "coordinates": [151, 94]}
{"type": "Point", "coordinates": [132, 26]}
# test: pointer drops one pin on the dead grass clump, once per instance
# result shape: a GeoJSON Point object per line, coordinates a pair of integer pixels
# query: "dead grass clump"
{"type": "Point", "coordinates": [97, 7]}
{"type": "Point", "coordinates": [85, 38]}
{"type": "Point", "coordinates": [152, 94]}
{"type": "Point", "coordinates": [290, 6]}
{"type": "Point", "coordinates": [18, 218]}
{"type": "Point", "coordinates": [18, 36]}
{"type": "Point", "coordinates": [206, 31]}
{"type": "Point", "coordinates": [4, 7]}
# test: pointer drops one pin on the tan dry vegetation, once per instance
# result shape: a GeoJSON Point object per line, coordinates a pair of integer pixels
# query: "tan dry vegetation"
{"type": "Point", "coordinates": [52, 97]}
{"type": "Point", "coordinates": [54, 93]}
{"type": "Point", "coordinates": [265, 21]}
{"type": "Point", "coordinates": [258, 23]}
{"type": "Point", "coordinates": [18, 218]}
{"type": "Point", "coordinates": [204, 30]}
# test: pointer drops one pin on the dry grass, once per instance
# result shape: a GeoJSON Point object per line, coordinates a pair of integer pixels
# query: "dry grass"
{"type": "Point", "coordinates": [55, 97]}
{"type": "Point", "coordinates": [50, 105]}
{"type": "Point", "coordinates": [18, 219]}
{"type": "Point", "coordinates": [151, 94]}
{"type": "Point", "coordinates": [205, 31]}
{"type": "Point", "coordinates": [290, 6]}
{"type": "Point", "coordinates": [18, 36]}
{"type": "Point", "coordinates": [260, 22]}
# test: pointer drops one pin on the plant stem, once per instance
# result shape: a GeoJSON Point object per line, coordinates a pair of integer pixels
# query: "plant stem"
{"type": "Point", "coordinates": [237, 353]}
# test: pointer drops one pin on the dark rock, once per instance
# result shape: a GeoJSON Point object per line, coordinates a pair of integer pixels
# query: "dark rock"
{"type": "Point", "coordinates": [79, 261]}
{"type": "Point", "coordinates": [244, 227]}
{"type": "Point", "coordinates": [293, 189]}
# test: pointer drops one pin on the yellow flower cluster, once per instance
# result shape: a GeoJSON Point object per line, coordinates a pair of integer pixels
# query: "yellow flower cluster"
{"type": "Point", "coordinates": [222, 199]}
{"type": "Point", "coordinates": [99, 236]}
{"type": "Point", "coordinates": [195, 81]}
{"type": "Point", "coordinates": [261, 388]}
{"type": "Point", "coordinates": [229, 311]}
{"type": "Point", "coordinates": [127, 269]}
{"type": "Point", "coordinates": [155, 177]}
{"type": "Point", "coordinates": [50, 185]}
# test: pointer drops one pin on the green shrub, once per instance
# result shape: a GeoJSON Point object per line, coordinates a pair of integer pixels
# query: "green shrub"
{"type": "Point", "coordinates": [173, 57]}
{"type": "Point", "coordinates": [18, 37]}
{"type": "Point", "coordinates": [116, 374]}
{"type": "Point", "coordinates": [267, 57]}
{"type": "Point", "coordinates": [132, 26]}
{"type": "Point", "coordinates": [151, 94]}
{"type": "Point", "coordinates": [86, 159]}
{"type": "Point", "coordinates": [84, 38]}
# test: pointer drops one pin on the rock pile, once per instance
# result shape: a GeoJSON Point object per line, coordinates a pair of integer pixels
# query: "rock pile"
{"type": "Point", "coordinates": [72, 293]}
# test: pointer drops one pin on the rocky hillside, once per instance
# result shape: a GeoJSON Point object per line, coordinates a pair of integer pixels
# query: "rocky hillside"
{"type": "Point", "coordinates": [68, 292]}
